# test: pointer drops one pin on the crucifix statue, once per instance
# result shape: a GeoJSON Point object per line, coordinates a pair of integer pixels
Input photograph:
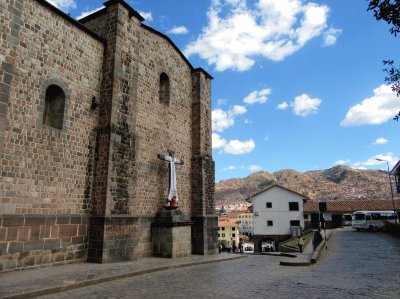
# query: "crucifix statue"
{"type": "Point", "coordinates": [172, 194]}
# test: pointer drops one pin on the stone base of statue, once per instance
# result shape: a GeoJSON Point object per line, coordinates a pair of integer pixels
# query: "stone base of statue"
{"type": "Point", "coordinates": [171, 234]}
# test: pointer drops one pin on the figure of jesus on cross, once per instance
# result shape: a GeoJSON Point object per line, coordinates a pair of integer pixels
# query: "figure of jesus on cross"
{"type": "Point", "coordinates": [172, 194]}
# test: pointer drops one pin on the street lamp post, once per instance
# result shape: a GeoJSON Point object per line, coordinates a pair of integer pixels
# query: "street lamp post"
{"type": "Point", "coordinates": [391, 189]}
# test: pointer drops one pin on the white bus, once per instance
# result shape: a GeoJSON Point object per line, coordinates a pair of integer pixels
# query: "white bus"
{"type": "Point", "coordinates": [372, 220]}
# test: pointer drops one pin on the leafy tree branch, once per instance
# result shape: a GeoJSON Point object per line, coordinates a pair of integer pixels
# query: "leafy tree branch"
{"type": "Point", "coordinates": [389, 11]}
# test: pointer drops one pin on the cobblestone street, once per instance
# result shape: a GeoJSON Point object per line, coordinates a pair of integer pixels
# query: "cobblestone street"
{"type": "Point", "coordinates": [356, 265]}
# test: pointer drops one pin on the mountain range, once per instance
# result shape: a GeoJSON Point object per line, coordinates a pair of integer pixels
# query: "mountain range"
{"type": "Point", "coordinates": [336, 183]}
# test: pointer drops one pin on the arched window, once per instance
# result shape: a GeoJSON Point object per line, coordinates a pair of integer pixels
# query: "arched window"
{"type": "Point", "coordinates": [164, 89]}
{"type": "Point", "coordinates": [54, 106]}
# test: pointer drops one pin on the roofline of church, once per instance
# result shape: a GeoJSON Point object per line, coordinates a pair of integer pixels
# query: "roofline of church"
{"type": "Point", "coordinates": [177, 49]}
{"type": "Point", "coordinates": [70, 19]}
{"type": "Point", "coordinates": [134, 13]}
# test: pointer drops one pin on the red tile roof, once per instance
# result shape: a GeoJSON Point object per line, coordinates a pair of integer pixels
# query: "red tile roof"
{"type": "Point", "coordinates": [349, 206]}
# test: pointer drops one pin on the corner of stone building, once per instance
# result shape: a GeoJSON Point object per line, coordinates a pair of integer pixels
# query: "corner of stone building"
{"type": "Point", "coordinates": [11, 18]}
{"type": "Point", "coordinates": [114, 232]}
{"type": "Point", "coordinates": [205, 222]}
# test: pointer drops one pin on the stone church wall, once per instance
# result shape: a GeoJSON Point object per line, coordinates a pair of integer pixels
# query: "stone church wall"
{"type": "Point", "coordinates": [89, 189]}
{"type": "Point", "coordinates": [44, 170]}
{"type": "Point", "coordinates": [162, 127]}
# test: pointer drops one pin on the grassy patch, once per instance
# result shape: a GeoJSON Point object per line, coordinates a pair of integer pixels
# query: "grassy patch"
{"type": "Point", "coordinates": [292, 242]}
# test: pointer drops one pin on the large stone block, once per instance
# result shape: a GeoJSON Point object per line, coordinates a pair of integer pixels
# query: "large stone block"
{"type": "Point", "coordinates": [171, 234]}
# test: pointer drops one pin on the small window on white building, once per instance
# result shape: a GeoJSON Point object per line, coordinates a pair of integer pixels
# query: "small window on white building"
{"type": "Point", "coordinates": [293, 206]}
{"type": "Point", "coordinates": [269, 205]}
{"type": "Point", "coordinates": [270, 223]}
{"type": "Point", "coordinates": [294, 222]}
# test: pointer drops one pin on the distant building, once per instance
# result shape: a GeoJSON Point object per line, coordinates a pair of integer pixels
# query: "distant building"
{"type": "Point", "coordinates": [246, 226]}
{"type": "Point", "coordinates": [228, 231]}
{"type": "Point", "coordinates": [336, 211]}
{"type": "Point", "coordinates": [278, 213]}
{"type": "Point", "coordinates": [396, 173]}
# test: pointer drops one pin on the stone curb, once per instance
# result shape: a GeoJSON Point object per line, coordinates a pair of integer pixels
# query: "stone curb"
{"type": "Point", "coordinates": [89, 282]}
{"type": "Point", "coordinates": [285, 254]}
{"type": "Point", "coordinates": [318, 250]}
{"type": "Point", "coordinates": [283, 263]}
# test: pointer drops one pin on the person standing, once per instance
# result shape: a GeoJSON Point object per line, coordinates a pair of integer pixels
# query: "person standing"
{"type": "Point", "coordinates": [241, 244]}
{"type": "Point", "coordinates": [229, 247]}
{"type": "Point", "coordinates": [300, 243]}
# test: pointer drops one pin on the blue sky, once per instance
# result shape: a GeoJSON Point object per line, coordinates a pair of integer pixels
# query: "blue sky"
{"type": "Point", "coordinates": [297, 84]}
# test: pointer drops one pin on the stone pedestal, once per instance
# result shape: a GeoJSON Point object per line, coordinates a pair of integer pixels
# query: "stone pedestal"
{"type": "Point", "coordinates": [171, 234]}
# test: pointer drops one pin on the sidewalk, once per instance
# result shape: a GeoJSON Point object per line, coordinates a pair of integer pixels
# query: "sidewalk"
{"type": "Point", "coordinates": [47, 280]}
{"type": "Point", "coordinates": [35, 282]}
{"type": "Point", "coordinates": [309, 256]}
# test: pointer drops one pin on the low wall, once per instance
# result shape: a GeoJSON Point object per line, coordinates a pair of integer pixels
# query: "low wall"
{"type": "Point", "coordinates": [33, 240]}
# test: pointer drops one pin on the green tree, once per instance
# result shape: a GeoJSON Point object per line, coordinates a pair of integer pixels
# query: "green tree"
{"type": "Point", "coordinates": [389, 11]}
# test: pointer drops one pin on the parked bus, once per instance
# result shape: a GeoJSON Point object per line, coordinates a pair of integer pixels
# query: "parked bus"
{"type": "Point", "coordinates": [372, 220]}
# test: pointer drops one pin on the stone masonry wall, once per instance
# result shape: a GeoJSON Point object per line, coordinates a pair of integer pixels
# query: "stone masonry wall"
{"type": "Point", "coordinates": [10, 25]}
{"type": "Point", "coordinates": [116, 183]}
{"type": "Point", "coordinates": [141, 126]}
{"type": "Point", "coordinates": [204, 229]}
{"type": "Point", "coordinates": [44, 170]}
{"type": "Point", "coordinates": [101, 165]}
{"type": "Point", "coordinates": [162, 128]}
{"type": "Point", "coordinates": [46, 173]}
{"type": "Point", "coordinates": [35, 240]}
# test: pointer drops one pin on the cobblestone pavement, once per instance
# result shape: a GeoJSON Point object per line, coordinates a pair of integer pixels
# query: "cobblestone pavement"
{"type": "Point", "coordinates": [356, 265]}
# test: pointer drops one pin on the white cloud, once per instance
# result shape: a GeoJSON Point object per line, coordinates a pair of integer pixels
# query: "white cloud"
{"type": "Point", "coordinates": [178, 30]}
{"type": "Point", "coordinates": [376, 110]}
{"type": "Point", "coordinates": [379, 141]}
{"type": "Point", "coordinates": [237, 147]}
{"type": "Point", "coordinates": [283, 106]}
{"type": "Point", "coordinates": [146, 15]}
{"type": "Point", "coordinates": [248, 121]}
{"type": "Point", "coordinates": [255, 168]}
{"type": "Point", "coordinates": [217, 141]}
{"type": "Point", "coordinates": [63, 4]}
{"type": "Point", "coordinates": [331, 36]}
{"type": "Point", "coordinates": [303, 105]}
{"type": "Point", "coordinates": [229, 168]}
{"type": "Point", "coordinates": [222, 102]}
{"type": "Point", "coordinates": [234, 147]}
{"type": "Point", "coordinates": [88, 12]}
{"type": "Point", "coordinates": [236, 34]}
{"type": "Point", "coordinates": [222, 120]}
{"type": "Point", "coordinates": [389, 157]}
{"type": "Point", "coordinates": [342, 162]}
{"type": "Point", "coordinates": [258, 96]}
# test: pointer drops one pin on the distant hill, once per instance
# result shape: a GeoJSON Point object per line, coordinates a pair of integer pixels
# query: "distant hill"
{"type": "Point", "coordinates": [337, 183]}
